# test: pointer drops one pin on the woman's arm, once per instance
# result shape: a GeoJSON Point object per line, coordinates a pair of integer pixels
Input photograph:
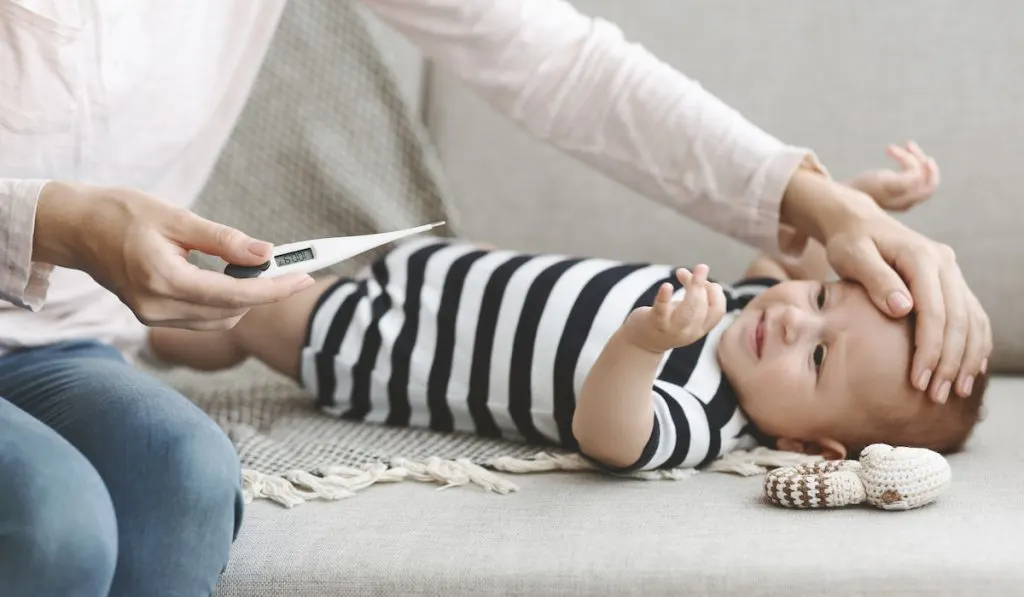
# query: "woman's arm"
{"type": "Point", "coordinates": [134, 245]}
{"type": "Point", "coordinates": [891, 190]}
{"type": "Point", "coordinates": [575, 82]}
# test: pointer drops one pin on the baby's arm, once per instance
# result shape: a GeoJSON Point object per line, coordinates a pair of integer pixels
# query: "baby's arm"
{"type": "Point", "coordinates": [614, 416]}
{"type": "Point", "coordinates": [892, 190]}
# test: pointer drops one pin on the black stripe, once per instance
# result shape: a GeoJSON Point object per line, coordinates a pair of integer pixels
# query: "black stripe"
{"type": "Point", "coordinates": [363, 369]}
{"type": "Point", "coordinates": [401, 352]}
{"type": "Point", "coordinates": [719, 412]}
{"type": "Point", "coordinates": [447, 318]}
{"type": "Point", "coordinates": [682, 362]}
{"type": "Point", "coordinates": [574, 336]}
{"type": "Point", "coordinates": [483, 348]}
{"type": "Point", "coordinates": [682, 427]}
{"type": "Point", "coordinates": [320, 300]}
{"type": "Point", "coordinates": [520, 395]}
{"type": "Point", "coordinates": [325, 357]}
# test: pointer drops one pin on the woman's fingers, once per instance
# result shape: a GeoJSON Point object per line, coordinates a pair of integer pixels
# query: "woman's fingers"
{"type": "Point", "coordinates": [978, 345]}
{"type": "Point", "coordinates": [955, 334]}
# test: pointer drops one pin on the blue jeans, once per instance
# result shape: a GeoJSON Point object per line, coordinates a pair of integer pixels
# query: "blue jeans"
{"type": "Point", "coordinates": [111, 483]}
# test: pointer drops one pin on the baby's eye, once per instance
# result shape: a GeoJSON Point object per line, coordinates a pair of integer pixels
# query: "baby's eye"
{"type": "Point", "coordinates": [821, 297]}
{"type": "Point", "coordinates": [819, 357]}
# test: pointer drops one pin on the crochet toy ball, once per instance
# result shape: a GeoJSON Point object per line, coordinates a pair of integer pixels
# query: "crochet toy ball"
{"type": "Point", "coordinates": [885, 477]}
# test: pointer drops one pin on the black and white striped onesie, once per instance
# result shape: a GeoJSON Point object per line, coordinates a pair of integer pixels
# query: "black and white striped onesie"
{"type": "Point", "coordinates": [446, 335]}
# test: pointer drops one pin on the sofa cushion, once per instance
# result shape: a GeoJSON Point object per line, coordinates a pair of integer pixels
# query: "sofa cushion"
{"type": "Point", "coordinates": [586, 534]}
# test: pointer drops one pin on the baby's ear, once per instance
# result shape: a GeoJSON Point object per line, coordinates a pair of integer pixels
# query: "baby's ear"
{"type": "Point", "coordinates": [827, 448]}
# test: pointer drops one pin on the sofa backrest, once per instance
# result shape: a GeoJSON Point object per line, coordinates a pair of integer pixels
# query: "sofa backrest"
{"type": "Point", "coordinates": [843, 78]}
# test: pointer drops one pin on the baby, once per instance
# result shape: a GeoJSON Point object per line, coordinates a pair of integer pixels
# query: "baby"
{"type": "Point", "coordinates": [635, 366]}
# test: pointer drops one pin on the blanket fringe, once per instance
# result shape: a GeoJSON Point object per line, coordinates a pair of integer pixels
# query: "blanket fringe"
{"type": "Point", "coordinates": [296, 487]}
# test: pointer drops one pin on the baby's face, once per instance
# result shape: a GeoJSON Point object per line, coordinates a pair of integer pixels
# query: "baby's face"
{"type": "Point", "coordinates": [812, 360]}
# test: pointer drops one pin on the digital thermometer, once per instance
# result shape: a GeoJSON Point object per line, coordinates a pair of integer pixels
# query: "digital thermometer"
{"type": "Point", "coordinates": [308, 256]}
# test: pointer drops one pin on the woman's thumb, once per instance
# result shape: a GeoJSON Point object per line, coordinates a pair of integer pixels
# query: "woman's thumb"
{"type": "Point", "coordinates": [865, 265]}
{"type": "Point", "coordinates": [230, 244]}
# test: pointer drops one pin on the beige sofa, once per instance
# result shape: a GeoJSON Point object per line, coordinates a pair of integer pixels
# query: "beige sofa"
{"type": "Point", "coordinates": [843, 78]}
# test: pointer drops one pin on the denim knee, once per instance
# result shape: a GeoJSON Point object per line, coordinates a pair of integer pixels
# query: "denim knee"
{"type": "Point", "coordinates": [58, 531]}
{"type": "Point", "coordinates": [201, 468]}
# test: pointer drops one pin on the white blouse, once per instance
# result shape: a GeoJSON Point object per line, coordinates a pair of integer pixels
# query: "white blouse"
{"type": "Point", "coordinates": [82, 81]}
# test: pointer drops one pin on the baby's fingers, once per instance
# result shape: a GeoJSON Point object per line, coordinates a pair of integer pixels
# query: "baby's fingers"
{"type": "Point", "coordinates": [684, 276]}
{"type": "Point", "coordinates": [716, 305]}
{"type": "Point", "coordinates": [693, 307]}
{"type": "Point", "coordinates": [933, 169]}
{"type": "Point", "coordinates": [906, 158]}
{"type": "Point", "coordinates": [662, 308]}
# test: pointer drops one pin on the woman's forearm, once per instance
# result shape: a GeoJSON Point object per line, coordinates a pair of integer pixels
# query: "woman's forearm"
{"type": "Point", "coordinates": [614, 411]}
{"type": "Point", "coordinates": [819, 206]}
{"type": "Point", "coordinates": [575, 82]}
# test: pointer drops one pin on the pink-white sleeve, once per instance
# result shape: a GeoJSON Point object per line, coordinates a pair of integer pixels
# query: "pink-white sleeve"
{"type": "Point", "coordinates": [22, 282]}
{"type": "Point", "coordinates": [577, 83]}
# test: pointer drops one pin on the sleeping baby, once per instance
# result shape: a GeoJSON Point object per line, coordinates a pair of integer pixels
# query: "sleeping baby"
{"type": "Point", "coordinates": [634, 366]}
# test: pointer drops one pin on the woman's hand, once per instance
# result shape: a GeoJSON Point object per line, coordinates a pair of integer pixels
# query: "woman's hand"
{"type": "Point", "coordinates": [899, 191]}
{"type": "Point", "coordinates": [136, 246]}
{"type": "Point", "coordinates": [953, 336]}
{"type": "Point", "coordinates": [667, 325]}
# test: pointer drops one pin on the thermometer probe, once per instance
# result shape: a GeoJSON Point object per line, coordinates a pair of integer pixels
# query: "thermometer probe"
{"type": "Point", "coordinates": [308, 256]}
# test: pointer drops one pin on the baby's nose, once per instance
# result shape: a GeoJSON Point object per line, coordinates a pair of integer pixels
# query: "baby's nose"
{"type": "Point", "coordinates": [795, 323]}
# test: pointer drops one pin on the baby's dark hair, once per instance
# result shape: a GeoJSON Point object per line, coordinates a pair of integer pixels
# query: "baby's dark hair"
{"type": "Point", "coordinates": [944, 428]}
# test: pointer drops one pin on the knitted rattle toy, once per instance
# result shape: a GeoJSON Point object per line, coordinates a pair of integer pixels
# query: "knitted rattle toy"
{"type": "Point", "coordinates": [885, 477]}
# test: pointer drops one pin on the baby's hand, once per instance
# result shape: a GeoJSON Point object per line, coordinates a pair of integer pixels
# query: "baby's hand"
{"type": "Point", "coordinates": [899, 191]}
{"type": "Point", "coordinates": [671, 324]}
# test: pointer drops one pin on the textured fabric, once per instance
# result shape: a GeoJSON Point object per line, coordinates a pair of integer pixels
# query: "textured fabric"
{"type": "Point", "coordinates": [277, 427]}
{"type": "Point", "coordinates": [82, 88]}
{"type": "Point", "coordinates": [889, 478]}
{"type": "Point", "coordinates": [844, 78]}
{"type": "Point", "coordinates": [157, 485]}
{"type": "Point", "coordinates": [590, 535]}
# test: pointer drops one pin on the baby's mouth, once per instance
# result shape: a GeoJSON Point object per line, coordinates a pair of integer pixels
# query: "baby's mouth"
{"type": "Point", "coordinates": [759, 336]}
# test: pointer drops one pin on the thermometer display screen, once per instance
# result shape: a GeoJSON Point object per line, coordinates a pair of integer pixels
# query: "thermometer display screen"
{"type": "Point", "coordinates": [294, 257]}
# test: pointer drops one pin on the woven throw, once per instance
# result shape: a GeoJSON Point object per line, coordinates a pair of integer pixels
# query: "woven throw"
{"type": "Point", "coordinates": [327, 146]}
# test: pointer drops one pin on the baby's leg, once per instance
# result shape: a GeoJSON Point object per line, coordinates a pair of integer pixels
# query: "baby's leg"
{"type": "Point", "coordinates": [273, 333]}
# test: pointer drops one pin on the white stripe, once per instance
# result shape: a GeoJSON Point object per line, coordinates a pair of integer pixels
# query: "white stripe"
{"type": "Point", "coordinates": [351, 346]}
{"type": "Point", "coordinates": [550, 330]}
{"type": "Point", "coordinates": [318, 334]}
{"type": "Point", "coordinates": [422, 358]}
{"type": "Point", "coordinates": [696, 419]}
{"type": "Point", "coordinates": [389, 326]}
{"type": "Point", "coordinates": [700, 432]}
{"type": "Point", "coordinates": [616, 305]}
{"type": "Point", "coordinates": [667, 431]}
{"type": "Point", "coordinates": [731, 430]}
{"type": "Point", "coordinates": [466, 323]}
{"type": "Point", "coordinates": [509, 317]}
